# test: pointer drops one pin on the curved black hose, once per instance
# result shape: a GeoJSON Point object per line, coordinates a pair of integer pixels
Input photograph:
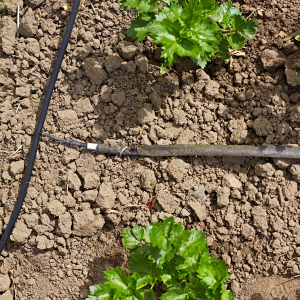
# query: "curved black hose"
{"type": "Point", "coordinates": [40, 125]}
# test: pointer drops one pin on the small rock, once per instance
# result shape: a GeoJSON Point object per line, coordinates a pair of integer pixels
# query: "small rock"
{"type": "Point", "coordinates": [236, 194]}
{"type": "Point", "coordinates": [202, 80]}
{"type": "Point", "coordinates": [33, 46]}
{"type": "Point", "coordinates": [295, 98]}
{"type": "Point", "coordinates": [23, 91]}
{"type": "Point", "coordinates": [259, 217]}
{"type": "Point", "coordinates": [28, 25]}
{"type": "Point", "coordinates": [200, 193]}
{"type": "Point", "coordinates": [56, 208]}
{"type": "Point", "coordinates": [141, 63]}
{"type": "Point", "coordinates": [83, 106]}
{"type": "Point", "coordinates": [68, 200]}
{"type": "Point", "coordinates": [89, 195]}
{"type": "Point", "coordinates": [235, 287]}
{"type": "Point", "coordinates": [106, 197]}
{"type": "Point", "coordinates": [118, 98]}
{"type": "Point", "coordinates": [17, 167]}
{"type": "Point", "coordinates": [238, 136]}
{"type": "Point", "coordinates": [295, 171]}
{"type": "Point", "coordinates": [112, 63]}
{"type": "Point", "coordinates": [284, 163]}
{"type": "Point", "coordinates": [12, 6]}
{"type": "Point", "coordinates": [146, 114]}
{"type": "Point", "coordinates": [64, 226]}
{"type": "Point", "coordinates": [4, 282]}
{"type": "Point", "coordinates": [127, 50]}
{"type": "Point", "coordinates": [73, 180]}
{"type": "Point", "coordinates": [7, 296]}
{"type": "Point", "coordinates": [250, 94]}
{"type": "Point", "coordinates": [67, 118]}
{"type": "Point", "coordinates": [290, 190]}
{"type": "Point", "coordinates": [223, 110]}
{"type": "Point", "coordinates": [168, 202]}
{"type": "Point", "coordinates": [84, 52]}
{"type": "Point", "coordinates": [156, 101]}
{"type": "Point", "coordinates": [85, 223]}
{"type": "Point", "coordinates": [31, 219]}
{"type": "Point", "coordinates": [211, 89]}
{"type": "Point", "coordinates": [177, 169]}
{"type": "Point", "coordinates": [184, 213]}
{"type": "Point", "coordinates": [199, 210]}
{"type": "Point", "coordinates": [264, 170]}
{"type": "Point", "coordinates": [238, 78]}
{"type": "Point", "coordinates": [292, 69]}
{"type": "Point", "coordinates": [130, 67]}
{"type": "Point", "coordinates": [94, 71]}
{"type": "Point", "coordinates": [113, 218]}
{"type": "Point", "coordinates": [295, 113]}
{"type": "Point", "coordinates": [229, 180]}
{"type": "Point", "coordinates": [187, 78]}
{"type": "Point", "coordinates": [223, 194]}
{"type": "Point", "coordinates": [273, 202]}
{"type": "Point", "coordinates": [20, 232]}
{"type": "Point", "coordinates": [123, 199]}
{"type": "Point", "coordinates": [272, 59]}
{"type": "Point", "coordinates": [179, 117]}
{"type": "Point", "coordinates": [91, 180]}
{"type": "Point", "coordinates": [43, 242]}
{"type": "Point", "coordinates": [262, 126]}
{"type": "Point", "coordinates": [69, 155]}
{"type": "Point", "coordinates": [8, 34]}
{"type": "Point", "coordinates": [241, 97]}
{"type": "Point", "coordinates": [148, 180]}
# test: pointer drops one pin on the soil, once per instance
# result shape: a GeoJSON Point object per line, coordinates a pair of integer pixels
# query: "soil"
{"type": "Point", "coordinates": [109, 90]}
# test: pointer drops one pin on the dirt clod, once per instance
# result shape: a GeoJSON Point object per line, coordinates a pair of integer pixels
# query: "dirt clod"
{"type": "Point", "coordinates": [85, 223]}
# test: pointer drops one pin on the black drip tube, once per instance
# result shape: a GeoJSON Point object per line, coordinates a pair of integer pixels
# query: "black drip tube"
{"type": "Point", "coordinates": [190, 150]}
{"type": "Point", "coordinates": [40, 125]}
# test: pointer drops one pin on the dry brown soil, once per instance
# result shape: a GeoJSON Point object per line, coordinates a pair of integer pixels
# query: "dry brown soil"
{"type": "Point", "coordinates": [69, 229]}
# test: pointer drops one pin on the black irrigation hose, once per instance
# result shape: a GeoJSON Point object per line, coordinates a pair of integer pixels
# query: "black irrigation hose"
{"type": "Point", "coordinates": [190, 150]}
{"type": "Point", "coordinates": [40, 125]}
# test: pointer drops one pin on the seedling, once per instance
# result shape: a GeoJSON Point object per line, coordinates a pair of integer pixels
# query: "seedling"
{"type": "Point", "coordinates": [199, 29]}
{"type": "Point", "coordinates": [165, 252]}
{"type": "Point", "coordinates": [297, 37]}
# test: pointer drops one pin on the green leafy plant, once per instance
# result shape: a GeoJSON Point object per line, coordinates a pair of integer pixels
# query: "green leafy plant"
{"type": "Point", "coordinates": [165, 252]}
{"type": "Point", "coordinates": [297, 37]}
{"type": "Point", "coordinates": [199, 29]}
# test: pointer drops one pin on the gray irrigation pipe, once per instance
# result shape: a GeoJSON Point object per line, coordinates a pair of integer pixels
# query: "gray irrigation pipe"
{"type": "Point", "coordinates": [189, 150]}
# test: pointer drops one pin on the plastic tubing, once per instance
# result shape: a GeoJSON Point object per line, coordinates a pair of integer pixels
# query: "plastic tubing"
{"type": "Point", "coordinates": [40, 125]}
{"type": "Point", "coordinates": [191, 150]}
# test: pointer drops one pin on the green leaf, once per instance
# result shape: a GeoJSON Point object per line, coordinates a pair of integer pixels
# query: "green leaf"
{"type": "Point", "coordinates": [246, 28]}
{"type": "Point", "coordinates": [148, 295]}
{"type": "Point", "coordinates": [297, 37]}
{"type": "Point", "coordinates": [196, 290]}
{"type": "Point", "coordinates": [214, 275]}
{"type": "Point", "coordinates": [141, 6]}
{"type": "Point", "coordinates": [225, 13]}
{"type": "Point", "coordinates": [139, 26]}
{"type": "Point", "coordinates": [223, 48]}
{"type": "Point", "coordinates": [174, 294]}
{"type": "Point", "coordinates": [227, 295]}
{"type": "Point", "coordinates": [192, 242]}
{"type": "Point", "coordinates": [133, 237]}
{"type": "Point", "coordinates": [236, 41]}
{"type": "Point", "coordinates": [117, 277]}
{"type": "Point", "coordinates": [100, 292]}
